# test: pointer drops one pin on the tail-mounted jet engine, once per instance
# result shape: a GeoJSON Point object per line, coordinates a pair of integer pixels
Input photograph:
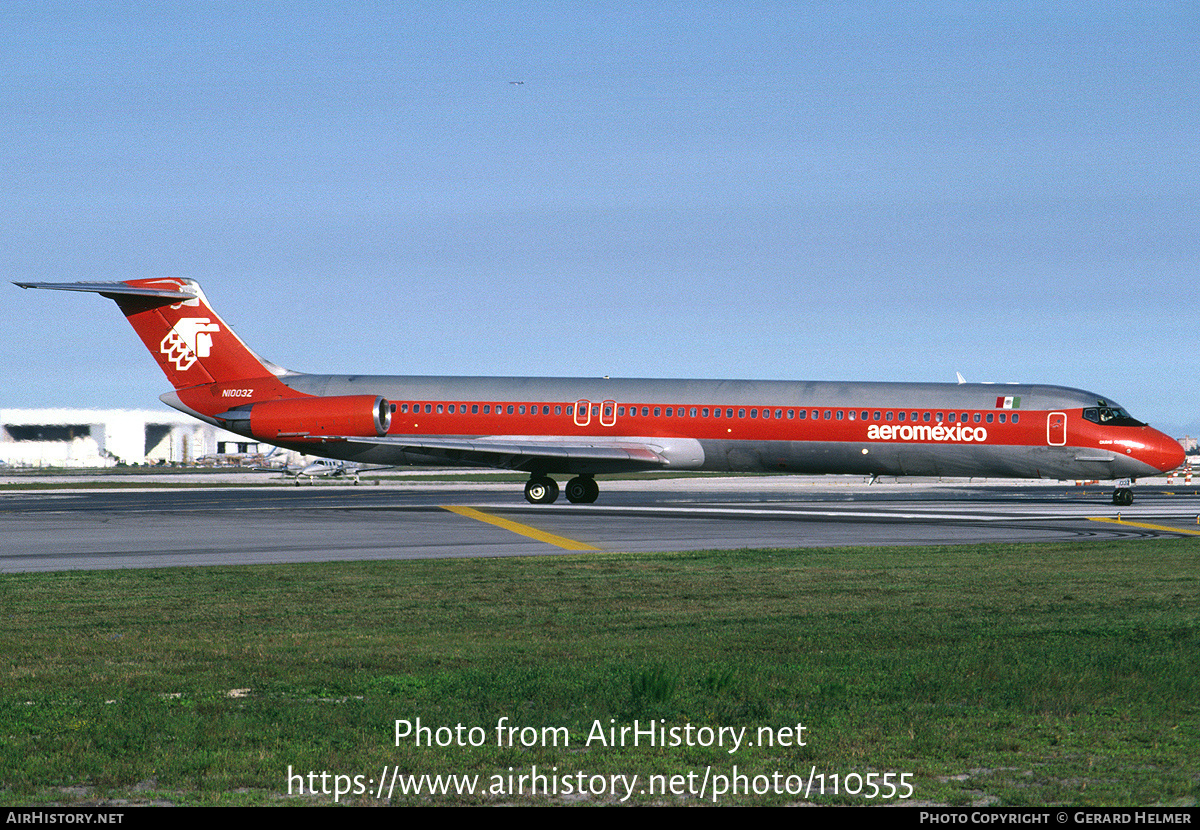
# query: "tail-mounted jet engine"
{"type": "Point", "coordinates": [301, 418]}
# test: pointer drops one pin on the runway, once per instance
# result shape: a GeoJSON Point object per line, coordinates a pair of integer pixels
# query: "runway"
{"type": "Point", "coordinates": [167, 527]}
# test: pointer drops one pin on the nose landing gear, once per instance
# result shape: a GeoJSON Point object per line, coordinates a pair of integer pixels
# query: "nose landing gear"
{"type": "Point", "coordinates": [1123, 495]}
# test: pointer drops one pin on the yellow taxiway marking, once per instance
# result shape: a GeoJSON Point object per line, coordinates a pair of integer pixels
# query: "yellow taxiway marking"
{"type": "Point", "coordinates": [517, 527]}
{"type": "Point", "coordinates": [1143, 524]}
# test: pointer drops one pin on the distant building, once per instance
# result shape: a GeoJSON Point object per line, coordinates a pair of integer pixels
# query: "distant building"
{"type": "Point", "coordinates": [107, 437]}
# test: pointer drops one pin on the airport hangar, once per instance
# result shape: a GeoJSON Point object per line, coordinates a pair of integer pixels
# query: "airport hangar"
{"type": "Point", "coordinates": [109, 437]}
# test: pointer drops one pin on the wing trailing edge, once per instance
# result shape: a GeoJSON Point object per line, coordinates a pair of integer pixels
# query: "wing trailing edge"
{"type": "Point", "coordinates": [541, 454]}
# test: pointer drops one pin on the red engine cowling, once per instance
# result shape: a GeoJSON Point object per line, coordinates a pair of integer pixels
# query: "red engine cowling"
{"type": "Point", "coordinates": [359, 415]}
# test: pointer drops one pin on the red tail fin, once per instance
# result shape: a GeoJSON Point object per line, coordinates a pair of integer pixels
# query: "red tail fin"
{"type": "Point", "coordinates": [193, 346]}
{"type": "Point", "coordinates": [191, 343]}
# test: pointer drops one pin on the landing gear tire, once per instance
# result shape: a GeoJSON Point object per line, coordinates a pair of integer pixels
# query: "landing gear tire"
{"type": "Point", "coordinates": [582, 490]}
{"type": "Point", "coordinates": [1123, 497]}
{"type": "Point", "coordinates": [541, 490]}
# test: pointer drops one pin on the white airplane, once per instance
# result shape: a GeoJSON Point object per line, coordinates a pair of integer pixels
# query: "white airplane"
{"type": "Point", "coordinates": [323, 468]}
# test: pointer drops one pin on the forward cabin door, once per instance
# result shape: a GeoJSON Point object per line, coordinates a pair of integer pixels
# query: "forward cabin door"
{"type": "Point", "coordinates": [1056, 429]}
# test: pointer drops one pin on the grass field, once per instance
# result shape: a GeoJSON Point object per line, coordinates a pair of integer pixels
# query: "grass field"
{"type": "Point", "coordinates": [1010, 675]}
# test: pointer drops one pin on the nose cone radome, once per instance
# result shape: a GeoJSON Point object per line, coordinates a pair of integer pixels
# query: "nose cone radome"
{"type": "Point", "coordinates": [1164, 453]}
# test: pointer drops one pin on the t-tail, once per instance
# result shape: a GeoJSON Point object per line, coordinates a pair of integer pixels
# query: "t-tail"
{"type": "Point", "coordinates": [216, 376]}
{"type": "Point", "coordinates": [193, 346]}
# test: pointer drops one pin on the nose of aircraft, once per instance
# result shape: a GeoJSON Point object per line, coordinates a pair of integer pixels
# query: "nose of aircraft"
{"type": "Point", "coordinates": [1163, 452]}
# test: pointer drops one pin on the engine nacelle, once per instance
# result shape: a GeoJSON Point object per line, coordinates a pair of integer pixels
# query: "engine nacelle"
{"type": "Point", "coordinates": [300, 418]}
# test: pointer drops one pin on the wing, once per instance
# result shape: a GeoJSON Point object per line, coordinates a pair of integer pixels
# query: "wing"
{"type": "Point", "coordinates": [548, 454]}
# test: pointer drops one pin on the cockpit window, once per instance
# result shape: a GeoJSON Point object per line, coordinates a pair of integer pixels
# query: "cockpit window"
{"type": "Point", "coordinates": [1112, 416]}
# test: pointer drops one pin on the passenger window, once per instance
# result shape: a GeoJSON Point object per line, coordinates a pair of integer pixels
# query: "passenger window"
{"type": "Point", "coordinates": [704, 412]}
{"type": "Point", "coordinates": [1003, 418]}
{"type": "Point", "coordinates": [791, 414]}
{"type": "Point", "coordinates": [521, 409]}
{"type": "Point", "coordinates": [828, 414]}
{"type": "Point", "coordinates": [753, 413]}
{"type": "Point", "coordinates": [1016, 417]}
{"type": "Point", "coordinates": [877, 415]}
{"type": "Point", "coordinates": [926, 417]}
{"type": "Point", "coordinates": [779, 413]}
{"type": "Point", "coordinates": [657, 411]}
{"type": "Point", "coordinates": [741, 413]}
{"type": "Point", "coordinates": [989, 417]}
{"type": "Point", "coordinates": [851, 414]}
{"type": "Point", "coordinates": [510, 409]}
{"type": "Point", "coordinates": [803, 414]}
{"type": "Point", "coordinates": [694, 412]}
{"type": "Point", "coordinates": [558, 409]}
{"type": "Point", "coordinates": [887, 416]}
{"type": "Point", "coordinates": [840, 415]}
{"type": "Point", "coordinates": [976, 417]}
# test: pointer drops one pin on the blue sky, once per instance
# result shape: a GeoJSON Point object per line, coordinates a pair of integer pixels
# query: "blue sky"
{"type": "Point", "coordinates": [863, 191]}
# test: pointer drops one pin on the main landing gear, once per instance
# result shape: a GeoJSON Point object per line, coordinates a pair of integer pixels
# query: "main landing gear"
{"type": "Point", "coordinates": [541, 490]}
{"type": "Point", "coordinates": [544, 490]}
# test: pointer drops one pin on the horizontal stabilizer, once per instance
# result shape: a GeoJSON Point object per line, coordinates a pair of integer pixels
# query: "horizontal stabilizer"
{"type": "Point", "coordinates": [113, 289]}
{"type": "Point", "coordinates": [191, 344]}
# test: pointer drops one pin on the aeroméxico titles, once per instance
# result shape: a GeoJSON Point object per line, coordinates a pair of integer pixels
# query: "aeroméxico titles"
{"type": "Point", "coordinates": [584, 427]}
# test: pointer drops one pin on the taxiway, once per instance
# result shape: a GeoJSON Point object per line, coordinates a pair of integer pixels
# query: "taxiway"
{"type": "Point", "coordinates": [166, 527]}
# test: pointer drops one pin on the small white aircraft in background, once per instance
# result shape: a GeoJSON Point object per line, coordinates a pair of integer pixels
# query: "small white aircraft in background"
{"type": "Point", "coordinates": [320, 468]}
{"type": "Point", "coordinates": [323, 468]}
